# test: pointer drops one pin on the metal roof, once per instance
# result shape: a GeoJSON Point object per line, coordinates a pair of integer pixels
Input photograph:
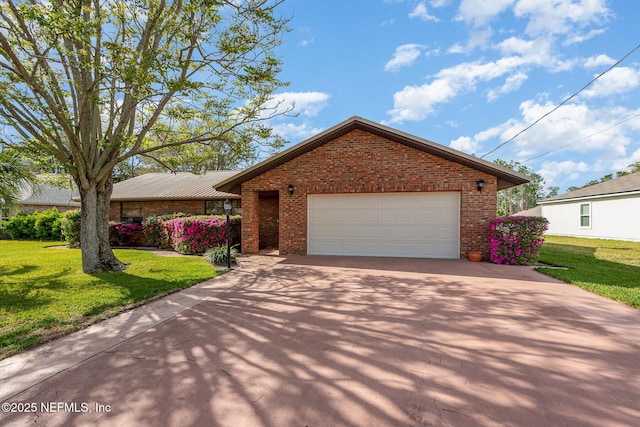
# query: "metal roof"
{"type": "Point", "coordinates": [172, 186]}
{"type": "Point", "coordinates": [45, 195]}
{"type": "Point", "coordinates": [615, 187]}
{"type": "Point", "coordinates": [506, 177]}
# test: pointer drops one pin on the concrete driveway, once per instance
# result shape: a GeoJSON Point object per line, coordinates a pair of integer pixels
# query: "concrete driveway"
{"type": "Point", "coordinates": [321, 341]}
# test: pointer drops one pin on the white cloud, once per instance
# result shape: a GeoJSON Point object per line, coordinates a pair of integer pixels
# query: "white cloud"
{"type": "Point", "coordinates": [559, 16]}
{"type": "Point", "coordinates": [599, 61]}
{"type": "Point", "coordinates": [293, 132]}
{"type": "Point", "coordinates": [619, 80]}
{"type": "Point", "coordinates": [574, 128]}
{"type": "Point", "coordinates": [472, 145]}
{"type": "Point", "coordinates": [417, 102]}
{"type": "Point", "coordinates": [456, 48]}
{"type": "Point", "coordinates": [307, 104]}
{"type": "Point", "coordinates": [404, 56]}
{"type": "Point", "coordinates": [580, 37]}
{"type": "Point", "coordinates": [440, 3]}
{"type": "Point", "coordinates": [480, 12]}
{"type": "Point", "coordinates": [465, 144]}
{"type": "Point", "coordinates": [306, 42]}
{"type": "Point", "coordinates": [623, 163]}
{"type": "Point", "coordinates": [513, 83]}
{"type": "Point", "coordinates": [421, 12]}
{"type": "Point", "coordinates": [576, 124]}
{"type": "Point", "coordinates": [553, 171]}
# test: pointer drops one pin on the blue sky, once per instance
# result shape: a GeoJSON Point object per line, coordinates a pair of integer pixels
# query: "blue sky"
{"type": "Point", "coordinates": [471, 74]}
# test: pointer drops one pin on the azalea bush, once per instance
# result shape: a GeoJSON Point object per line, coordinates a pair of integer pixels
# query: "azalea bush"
{"type": "Point", "coordinates": [155, 231]}
{"type": "Point", "coordinates": [194, 235]}
{"type": "Point", "coordinates": [121, 234]}
{"type": "Point", "coordinates": [516, 240]}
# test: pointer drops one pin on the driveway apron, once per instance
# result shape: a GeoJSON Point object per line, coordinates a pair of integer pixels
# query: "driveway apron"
{"type": "Point", "coordinates": [338, 341]}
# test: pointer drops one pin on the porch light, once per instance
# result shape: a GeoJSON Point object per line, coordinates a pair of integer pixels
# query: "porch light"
{"type": "Point", "coordinates": [480, 184]}
{"type": "Point", "coordinates": [290, 188]}
{"type": "Point", "coordinates": [227, 207]}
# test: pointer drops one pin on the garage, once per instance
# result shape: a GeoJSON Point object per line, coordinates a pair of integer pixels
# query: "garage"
{"type": "Point", "coordinates": [419, 225]}
{"type": "Point", "coordinates": [361, 188]}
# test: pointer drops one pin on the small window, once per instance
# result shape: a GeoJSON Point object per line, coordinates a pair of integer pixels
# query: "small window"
{"type": "Point", "coordinates": [4, 214]}
{"type": "Point", "coordinates": [585, 215]}
{"type": "Point", "coordinates": [216, 207]}
{"type": "Point", "coordinates": [132, 212]}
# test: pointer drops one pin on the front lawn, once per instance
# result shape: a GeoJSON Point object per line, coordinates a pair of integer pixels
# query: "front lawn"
{"type": "Point", "coordinates": [44, 293]}
{"type": "Point", "coordinates": [610, 268]}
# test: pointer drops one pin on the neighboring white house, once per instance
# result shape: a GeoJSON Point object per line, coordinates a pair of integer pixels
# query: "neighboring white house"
{"type": "Point", "coordinates": [609, 210]}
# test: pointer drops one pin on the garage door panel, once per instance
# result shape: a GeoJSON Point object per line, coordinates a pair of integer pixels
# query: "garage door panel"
{"type": "Point", "coordinates": [387, 224]}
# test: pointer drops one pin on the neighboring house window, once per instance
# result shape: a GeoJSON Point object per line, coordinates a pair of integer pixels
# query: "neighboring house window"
{"type": "Point", "coordinates": [216, 207]}
{"type": "Point", "coordinates": [585, 215]}
{"type": "Point", "coordinates": [132, 212]}
{"type": "Point", "coordinates": [4, 215]}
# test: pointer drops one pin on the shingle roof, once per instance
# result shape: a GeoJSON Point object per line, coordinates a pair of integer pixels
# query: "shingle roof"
{"type": "Point", "coordinates": [169, 186]}
{"type": "Point", "coordinates": [624, 184]}
{"type": "Point", "coordinates": [45, 195]}
{"type": "Point", "coordinates": [506, 177]}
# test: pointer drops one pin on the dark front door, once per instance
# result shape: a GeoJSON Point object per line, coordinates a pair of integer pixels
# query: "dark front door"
{"type": "Point", "coordinates": [269, 206]}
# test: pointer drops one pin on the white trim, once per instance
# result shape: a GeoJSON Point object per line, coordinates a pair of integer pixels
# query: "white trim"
{"type": "Point", "coordinates": [598, 196]}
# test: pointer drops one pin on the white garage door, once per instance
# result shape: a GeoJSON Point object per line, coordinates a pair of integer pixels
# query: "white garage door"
{"type": "Point", "coordinates": [417, 225]}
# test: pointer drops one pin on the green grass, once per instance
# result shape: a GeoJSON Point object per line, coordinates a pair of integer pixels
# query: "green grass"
{"type": "Point", "coordinates": [45, 294]}
{"type": "Point", "coordinates": [610, 268]}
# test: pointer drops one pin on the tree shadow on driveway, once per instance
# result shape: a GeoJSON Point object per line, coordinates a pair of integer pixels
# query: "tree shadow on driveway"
{"type": "Point", "coordinates": [318, 345]}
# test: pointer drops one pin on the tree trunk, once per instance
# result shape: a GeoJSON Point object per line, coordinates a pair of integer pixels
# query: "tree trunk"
{"type": "Point", "coordinates": [94, 232]}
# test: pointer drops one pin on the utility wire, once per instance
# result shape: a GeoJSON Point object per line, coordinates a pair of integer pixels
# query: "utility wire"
{"type": "Point", "coordinates": [563, 102]}
{"type": "Point", "coordinates": [582, 139]}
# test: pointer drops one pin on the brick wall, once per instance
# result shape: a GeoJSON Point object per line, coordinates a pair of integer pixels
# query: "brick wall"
{"type": "Point", "coordinates": [160, 207]}
{"type": "Point", "coordinates": [361, 162]}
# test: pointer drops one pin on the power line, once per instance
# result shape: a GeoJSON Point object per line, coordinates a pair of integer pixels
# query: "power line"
{"type": "Point", "coordinates": [582, 139]}
{"type": "Point", "coordinates": [563, 102]}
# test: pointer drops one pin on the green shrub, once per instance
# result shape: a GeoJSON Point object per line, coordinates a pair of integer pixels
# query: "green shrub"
{"type": "Point", "coordinates": [22, 227]}
{"type": "Point", "coordinates": [70, 227]}
{"type": "Point", "coordinates": [47, 225]}
{"type": "Point", "coordinates": [43, 225]}
{"type": "Point", "coordinates": [218, 255]}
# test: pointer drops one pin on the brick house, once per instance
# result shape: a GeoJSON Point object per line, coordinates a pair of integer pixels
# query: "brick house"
{"type": "Point", "coordinates": [361, 188]}
{"type": "Point", "coordinates": [135, 199]}
{"type": "Point", "coordinates": [42, 198]}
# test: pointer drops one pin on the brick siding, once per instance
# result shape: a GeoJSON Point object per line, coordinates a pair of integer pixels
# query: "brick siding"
{"type": "Point", "coordinates": [160, 207]}
{"type": "Point", "coordinates": [362, 162]}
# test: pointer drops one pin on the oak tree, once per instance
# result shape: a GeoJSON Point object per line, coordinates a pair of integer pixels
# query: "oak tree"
{"type": "Point", "coordinates": [96, 82]}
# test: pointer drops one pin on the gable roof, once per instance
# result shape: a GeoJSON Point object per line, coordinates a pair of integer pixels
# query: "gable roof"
{"type": "Point", "coordinates": [170, 186]}
{"type": "Point", "coordinates": [45, 195]}
{"type": "Point", "coordinates": [615, 187]}
{"type": "Point", "coordinates": [506, 177]}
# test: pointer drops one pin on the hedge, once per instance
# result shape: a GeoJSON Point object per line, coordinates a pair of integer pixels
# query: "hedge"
{"type": "Point", "coordinates": [45, 225]}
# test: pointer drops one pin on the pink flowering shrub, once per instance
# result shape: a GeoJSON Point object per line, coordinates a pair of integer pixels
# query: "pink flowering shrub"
{"type": "Point", "coordinates": [194, 235]}
{"type": "Point", "coordinates": [516, 240]}
{"type": "Point", "coordinates": [155, 231]}
{"type": "Point", "coordinates": [121, 234]}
